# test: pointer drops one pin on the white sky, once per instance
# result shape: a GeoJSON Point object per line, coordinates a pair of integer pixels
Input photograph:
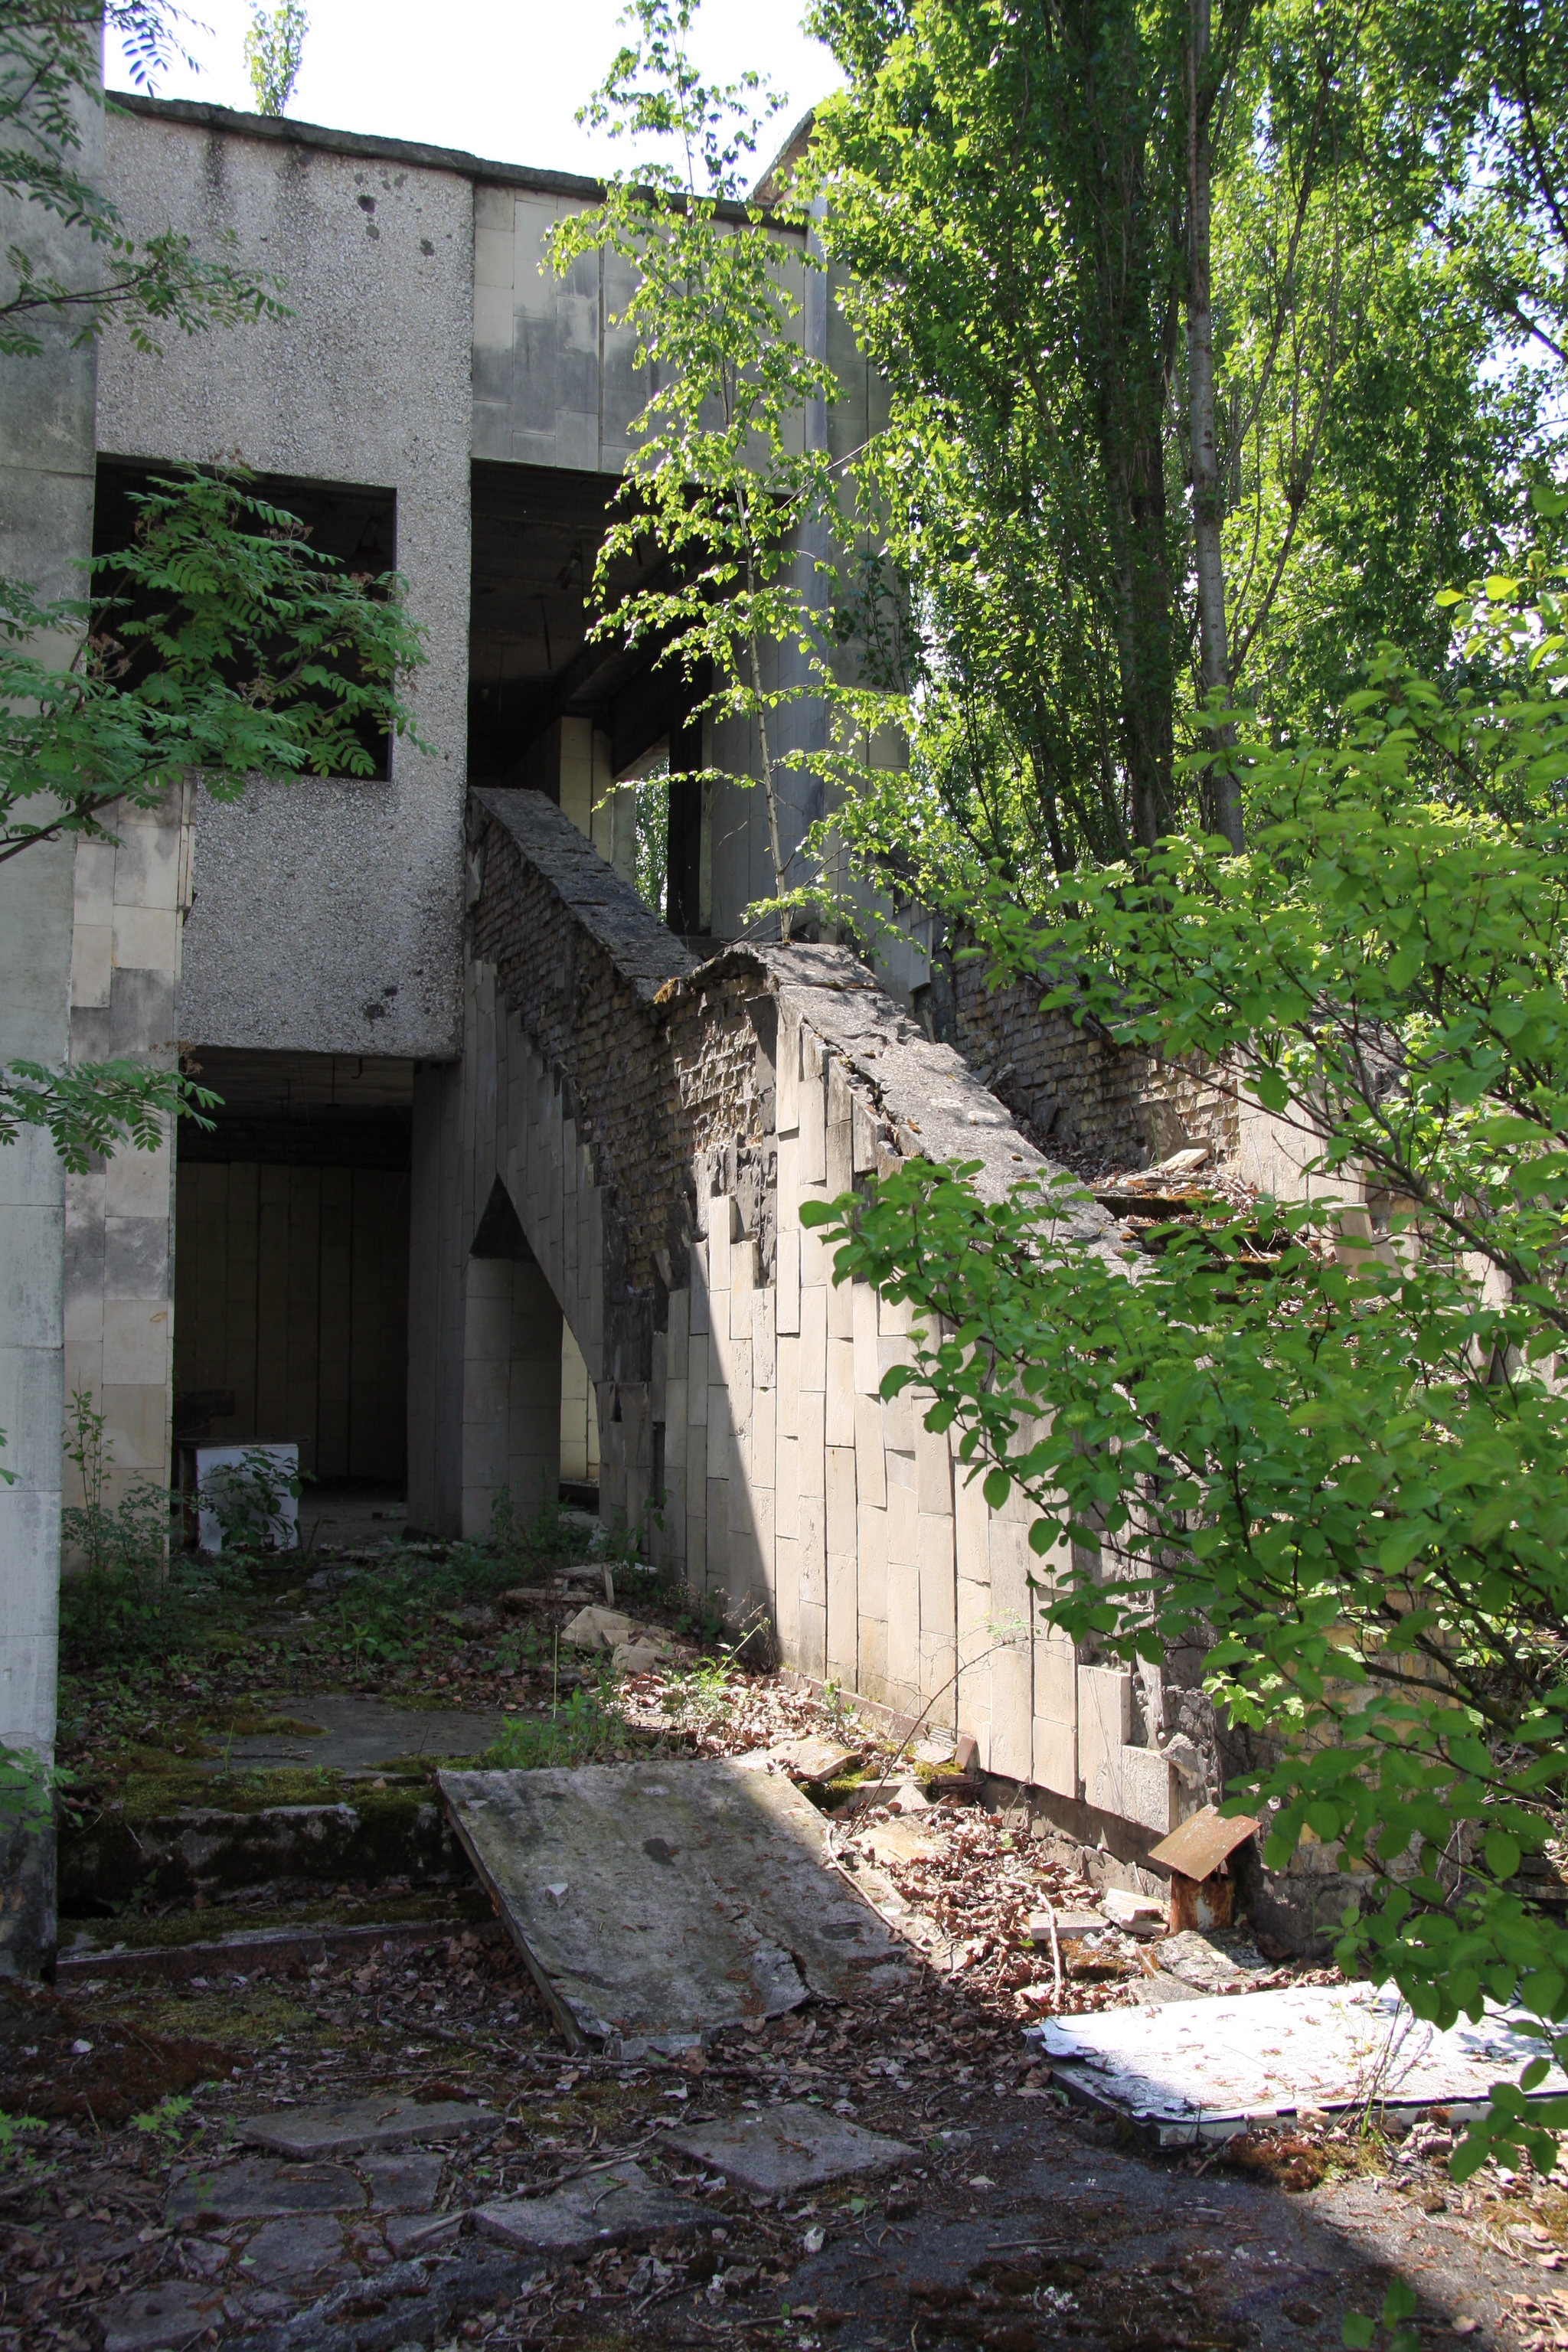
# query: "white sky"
{"type": "Point", "coordinates": [504, 81]}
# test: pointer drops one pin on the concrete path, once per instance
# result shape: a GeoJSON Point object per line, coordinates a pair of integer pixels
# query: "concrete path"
{"type": "Point", "coordinates": [356, 1735]}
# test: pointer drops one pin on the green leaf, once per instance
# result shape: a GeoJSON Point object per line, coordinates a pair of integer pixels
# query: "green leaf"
{"type": "Point", "coordinates": [1357, 2330]}
{"type": "Point", "coordinates": [1503, 1853]}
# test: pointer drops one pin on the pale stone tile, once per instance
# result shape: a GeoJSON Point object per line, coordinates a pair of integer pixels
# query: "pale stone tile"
{"type": "Point", "coordinates": [899, 1412]}
{"type": "Point", "coordinates": [92, 878]}
{"type": "Point", "coordinates": [871, 1546]}
{"type": "Point", "coordinates": [787, 1384]}
{"type": "Point", "coordinates": [787, 1293]}
{"type": "Point", "coordinates": [1056, 1675]}
{"type": "Point", "coordinates": [764, 1438]}
{"type": "Point", "coordinates": [1054, 1763]}
{"type": "Point", "coordinates": [493, 208]}
{"type": "Point", "coordinates": [493, 251]}
{"type": "Point", "coordinates": [1104, 1723]}
{"type": "Point", "coordinates": [871, 1676]}
{"type": "Point", "coordinates": [91, 964]}
{"type": "Point", "coordinates": [697, 1378]}
{"type": "Point", "coordinates": [972, 1516]}
{"type": "Point", "coordinates": [933, 1468]}
{"type": "Point", "coordinates": [742, 1287]}
{"type": "Point", "coordinates": [135, 1343]}
{"type": "Point", "coordinates": [1136, 1784]}
{"type": "Point", "coordinates": [493, 307]}
{"type": "Point", "coordinates": [765, 1352]}
{"type": "Point", "coordinates": [840, 1310]}
{"type": "Point", "coordinates": [137, 1183]}
{"type": "Point", "coordinates": [146, 938]}
{"type": "Point", "coordinates": [813, 1541]}
{"type": "Point", "coordinates": [788, 1098]}
{"type": "Point", "coordinates": [863, 1325]}
{"type": "Point", "coordinates": [786, 1604]}
{"type": "Point", "coordinates": [871, 1474]}
{"type": "Point", "coordinates": [812, 1357]}
{"type": "Point", "coordinates": [786, 1471]}
{"type": "Point", "coordinates": [840, 1420]}
{"type": "Point", "coordinates": [903, 1532]}
{"type": "Point", "coordinates": [894, 1318]}
{"type": "Point", "coordinates": [840, 1479]}
{"type": "Point", "coordinates": [147, 865]}
{"type": "Point", "coordinates": [813, 1446]}
{"type": "Point", "coordinates": [842, 1619]}
{"type": "Point", "coordinates": [812, 1133]}
{"type": "Point", "coordinates": [812, 1637]}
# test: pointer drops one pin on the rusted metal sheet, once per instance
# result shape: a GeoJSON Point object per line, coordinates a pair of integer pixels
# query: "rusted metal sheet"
{"type": "Point", "coordinates": [1202, 1844]}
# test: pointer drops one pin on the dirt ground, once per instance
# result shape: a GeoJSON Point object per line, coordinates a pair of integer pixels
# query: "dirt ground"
{"type": "Point", "coordinates": [1013, 2217]}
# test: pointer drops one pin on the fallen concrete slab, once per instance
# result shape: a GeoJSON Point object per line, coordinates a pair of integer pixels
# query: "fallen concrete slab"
{"type": "Point", "coordinates": [159, 2317]}
{"type": "Point", "coordinates": [350, 2127]}
{"type": "Point", "coordinates": [258, 2189]}
{"type": "Point", "coordinates": [657, 1903]}
{"type": "Point", "coordinates": [618, 2206]}
{"type": "Point", "coordinates": [780, 2149]}
{"type": "Point", "coordinates": [1208, 2069]}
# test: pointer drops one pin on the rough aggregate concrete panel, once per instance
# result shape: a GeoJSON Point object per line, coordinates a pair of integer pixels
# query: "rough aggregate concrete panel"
{"type": "Point", "coordinates": [328, 912]}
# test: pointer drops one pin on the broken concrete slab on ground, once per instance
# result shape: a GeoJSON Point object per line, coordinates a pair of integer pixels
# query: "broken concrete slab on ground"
{"type": "Point", "coordinates": [1209, 2069]}
{"type": "Point", "coordinates": [655, 1904]}
{"type": "Point", "coordinates": [776, 2150]}
{"type": "Point", "coordinates": [352, 2127]}
{"type": "Point", "coordinates": [614, 2204]}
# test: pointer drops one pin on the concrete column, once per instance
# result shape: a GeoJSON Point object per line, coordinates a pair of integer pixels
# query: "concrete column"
{"type": "Point", "coordinates": [46, 462]}
{"type": "Point", "coordinates": [533, 1403]}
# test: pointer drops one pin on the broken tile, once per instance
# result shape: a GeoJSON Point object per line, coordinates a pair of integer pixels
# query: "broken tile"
{"type": "Point", "coordinates": [817, 1759]}
{"type": "Point", "coordinates": [1140, 1915]}
{"type": "Point", "coordinates": [284, 2253]}
{"type": "Point", "coordinates": [350, 2127]}
{"type": "Point", "coordinates": [784, 2149]}
{"type": "Point", "coordinates": [402, 2184]}
{"type": "Point", "coordinates": [898, 1842]}
{"type": "Point", "coordinates": [616, 2206]}
{"type": "Point", "coordinates": [408, 2235]}
{"type": "Point", "coordinates": [160, 2317]}
{"type": "Point", "coordinates": [596, 1628]}
{"type": "Point", "coordinates": [256, 2188]}
{"type": "Point", "coordinates": [1069, 1924]}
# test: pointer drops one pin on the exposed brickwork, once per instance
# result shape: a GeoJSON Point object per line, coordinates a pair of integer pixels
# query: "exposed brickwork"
{"type": "Point", "coordinates": [1075, 1092]}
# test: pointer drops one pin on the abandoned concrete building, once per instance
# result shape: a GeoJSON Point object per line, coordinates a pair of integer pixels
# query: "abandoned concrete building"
{"type": "Point", "coordinates": [505, 1187]}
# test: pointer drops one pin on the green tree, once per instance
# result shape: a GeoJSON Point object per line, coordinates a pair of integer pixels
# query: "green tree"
{"type": "Point", "coordinates": [274, 50]}
{"type": "Point", "coordinates": [723, 480]}
{"type": "Point", "coordinates": [1143, 377]}
{"type": "Point", "coordinates": [1328, 1444]}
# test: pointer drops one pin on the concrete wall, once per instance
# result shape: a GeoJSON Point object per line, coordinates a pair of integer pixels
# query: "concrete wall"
{"type": "Point", "coordinates": [328, 914]}
{"type": "Point", "coordinates": [46, 528]}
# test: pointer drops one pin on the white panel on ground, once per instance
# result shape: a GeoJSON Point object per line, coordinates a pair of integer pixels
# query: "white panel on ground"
{"type": "Point", "coordinates": [1206, 2069]}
